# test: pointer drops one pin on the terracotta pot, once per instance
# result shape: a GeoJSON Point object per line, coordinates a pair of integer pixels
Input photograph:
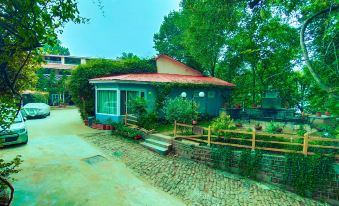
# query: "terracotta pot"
{"type": "Point", "coordinates": [238, 125]}
{"type": "Point", "coordinates": [94, 125]}
{"type": "Point", "coordinates": [258, 127]}
{"type": "Point", "coordinates": [327, 113]}
{"type": "Point", "coordinates": [237, 106]}
{"type": "Point", "coordinates": [100, 126]}
{"type": "Point", "coordinates": [194, 122]}
{"type": "Point", "coordinates": [318, 114]}
{"type": "Point", "coordinates": [137, 137]}
{"type": "Point", "coordinates": [86, 122]}
{"type": "Point", "coordinates": [112, 128]}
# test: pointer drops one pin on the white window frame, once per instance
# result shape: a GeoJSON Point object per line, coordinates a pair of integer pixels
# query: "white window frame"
{"type": "Point", "coordinates": [96, 100]}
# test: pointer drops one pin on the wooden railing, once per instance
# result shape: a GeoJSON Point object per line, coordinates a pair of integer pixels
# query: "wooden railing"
{"type": "Point", "coordinates": [130, 120]}
{"type": "Point", "coordinates": [206, 136]}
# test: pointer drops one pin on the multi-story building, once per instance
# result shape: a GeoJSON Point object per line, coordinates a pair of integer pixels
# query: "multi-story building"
{"type": "Point", "coordinates": [61, 66]}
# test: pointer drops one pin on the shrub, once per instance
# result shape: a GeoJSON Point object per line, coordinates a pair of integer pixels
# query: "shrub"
{"type": "Point", "coordinates": [223, 122]}
{"type": "Point", "coordinates": [180, 109]}
{"type": "Point", "coordinates": [127, 132]}
{"type": "Point", "coordinates": [272, 127]}
{"type": "Point", "coordinates": [138, 106]}
{"type": "Point", "coordinates": [9, 168]}
{"type": "Point", "coordinates": [148, 120]}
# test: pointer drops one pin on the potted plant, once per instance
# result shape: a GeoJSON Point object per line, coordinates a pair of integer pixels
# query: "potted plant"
{"type": "Point", "coordinates": [86, 122]}
{"type": "Point", "coordinates": [258, 127]}
{"type": "Point", "coordinates": [237, 106]}
{"type": "Point", "coordinates": [327, 113]}
{"type": "Point", "coordinates": [238, 124]}
{"type": "Point", "coordinates": [318, 114]}
{"type": "Point", "coordinates": [194, 122]}
{"type": "Point", "coordinates": [137, 137]}
{"type": "Point", "coordinates": [279, 129]}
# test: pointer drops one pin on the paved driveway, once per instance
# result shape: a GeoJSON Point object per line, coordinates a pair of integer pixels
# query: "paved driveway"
{"type": "Point", "coordinates": [56, 172]}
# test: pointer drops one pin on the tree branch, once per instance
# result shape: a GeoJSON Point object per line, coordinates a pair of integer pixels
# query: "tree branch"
{"type": "Point", "coordinates": [316, 77]}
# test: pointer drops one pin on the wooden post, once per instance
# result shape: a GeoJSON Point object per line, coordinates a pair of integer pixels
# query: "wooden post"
{"type": "Point", "coordinates": [126, 118]}
{"type": "Point", "coordinates": [175, 129]}
{"type": "Point", "coordinates": [209, 136]}
{"type": "Point", "coordinates": [253, 139]}
{"type": "Point", "coordinates": [305, 145]}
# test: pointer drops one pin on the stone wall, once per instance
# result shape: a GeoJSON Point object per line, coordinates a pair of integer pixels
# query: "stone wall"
{"type": "Point", "coordinates": [272, 167]}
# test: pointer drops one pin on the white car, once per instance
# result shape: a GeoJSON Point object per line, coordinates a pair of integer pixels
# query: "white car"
{"type": "Point", "coordinates": [33, 110]}
{"type": "Point", "coordinates": [16, 134]}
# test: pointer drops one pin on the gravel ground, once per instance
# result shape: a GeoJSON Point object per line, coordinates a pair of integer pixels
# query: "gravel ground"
{"type": "Point", "coordinates": [194, 183]}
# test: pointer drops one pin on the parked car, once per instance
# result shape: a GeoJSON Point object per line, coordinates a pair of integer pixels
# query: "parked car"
{"type": "Point", "coordinates": [16, 134]}
{"type": "Point", "coordinates": [34, 110]}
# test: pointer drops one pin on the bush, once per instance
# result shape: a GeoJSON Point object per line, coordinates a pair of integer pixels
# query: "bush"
{"type": "Point", "coordinates": [273, 127]}
{"type": "Point", "coordinates": [223, 122]}
{"type": "Point", "coordinates": [138, 106]}
{"type": "Point", "coordinates": [83, 92]}
{"type": "Point", "coordinates": [148, 120]}
{"type": "Point", "coordinates": [181, 110]}
{"type": "Point", "coordinates": [127, 132]}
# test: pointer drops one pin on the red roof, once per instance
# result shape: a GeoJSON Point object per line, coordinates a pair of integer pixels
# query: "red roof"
{"type": "Point", "coordinates": [166, 78]}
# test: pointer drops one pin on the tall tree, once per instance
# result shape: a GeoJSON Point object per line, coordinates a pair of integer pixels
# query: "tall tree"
{"type": "Point", "coordinates": [56, 49]}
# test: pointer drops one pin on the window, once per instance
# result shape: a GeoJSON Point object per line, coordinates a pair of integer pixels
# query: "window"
{"type": "Point", "coordinates": [211, 94]}
{"type": "Point", "coordinates": [52, 60]}
{"type": "Point", "coordinates": [70, 60]}
{"type": "Point", "coordinates": [107, 102]}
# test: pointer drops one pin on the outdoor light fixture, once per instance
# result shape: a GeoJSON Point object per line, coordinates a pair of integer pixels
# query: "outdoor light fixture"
{"type": "Point", "coordinates": [183, 94]}
{"type": "Point", "coordinates": [201, 94]}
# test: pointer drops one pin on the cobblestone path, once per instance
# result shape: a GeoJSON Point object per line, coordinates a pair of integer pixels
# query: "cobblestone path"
{"type": "Point", "coordinates": [194, 183]}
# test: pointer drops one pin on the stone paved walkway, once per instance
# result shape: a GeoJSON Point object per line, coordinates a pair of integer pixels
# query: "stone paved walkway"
{"type": "Point", "coordinates": [194, 183]}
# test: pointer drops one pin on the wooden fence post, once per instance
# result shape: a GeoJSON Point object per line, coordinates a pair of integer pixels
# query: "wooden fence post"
{"type": "Point", "coordinates": [305, 145]}
{"type": "Point", "coordinates": [175, 129]}
{"type": "Point", "coordinates": [253, 140]}
{"type": "Point", "coordinates": [126, 118]}
{"type": "Point", "coordinates": [209, 136]}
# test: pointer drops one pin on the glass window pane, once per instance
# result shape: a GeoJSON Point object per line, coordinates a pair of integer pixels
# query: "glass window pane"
{"type": "Point", "coordinates": [107, 102]}
{"type": "Point", "coordinates": [131, 95]}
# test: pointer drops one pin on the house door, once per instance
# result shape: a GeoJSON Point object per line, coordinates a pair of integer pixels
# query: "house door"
{"type": "Point", "coordinates": [122, 102]}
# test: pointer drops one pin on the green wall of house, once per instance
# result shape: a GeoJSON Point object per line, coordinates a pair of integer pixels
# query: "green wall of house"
{"type": "Point", "coordinates": [208, 105]}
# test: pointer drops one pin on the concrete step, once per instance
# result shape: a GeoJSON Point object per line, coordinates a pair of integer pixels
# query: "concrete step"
{"type": "Point", "coordinates": [155, 148]}
{"type": "Point", "coordinates": [159, 143]}
{"type": "Point", "coordinates": [161, 137]}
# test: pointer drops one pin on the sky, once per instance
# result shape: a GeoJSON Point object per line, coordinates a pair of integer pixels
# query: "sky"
{"type": "Point", "coordinates": [125, 26]}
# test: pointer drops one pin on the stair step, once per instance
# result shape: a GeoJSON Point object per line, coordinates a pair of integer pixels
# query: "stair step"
{"type": "Point", "coordinates": [158, 143]}
{"type": "Point", "coordinates": [155, 148]}
{"type": "Point", "coordinates": [161, 137]}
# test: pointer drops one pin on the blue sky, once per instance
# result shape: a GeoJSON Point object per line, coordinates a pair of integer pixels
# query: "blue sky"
{"type": "Point", "coordinates": [127, 26]}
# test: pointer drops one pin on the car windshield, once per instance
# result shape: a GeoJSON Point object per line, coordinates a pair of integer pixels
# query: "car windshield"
{"type": "Point", "coordinates": [18, 118]}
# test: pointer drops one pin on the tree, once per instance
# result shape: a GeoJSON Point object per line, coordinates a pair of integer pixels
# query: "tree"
{"type": "Point", "coordinates": [56, 49]}
{"type": "Point", "coordinates": [25, 26]}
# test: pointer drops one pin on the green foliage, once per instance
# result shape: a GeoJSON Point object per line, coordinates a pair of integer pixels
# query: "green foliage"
{"type": "Point", "coordinates": [222, 157]}
{"type": "Point", "coordinates": [138, 106]}
{"type": "Point", "coordinates": [9, 168]}
{"type": "Point", "coordinates": [83, 92]}
{"type": "Point", "coordinates": [8, 109]}
{"type": "Point", "coordinates": [148, 120]}
{"type": "Point", "coordinates": [273, 127]}
{"type": "Point", "coordinates": [306, 174]}
{"type": "Point", "coordinates": [56, 49]}
{"type": "Point", "coordinates": [249, 163]}
{"type": "Point", "coordinates": [301, 130]}
{"type": "Point", "coordinates": [223, 122]}
{"type": "Point", "coordinates": [181, 110]}
{"type": "Point", "coordinates": [126, 132]}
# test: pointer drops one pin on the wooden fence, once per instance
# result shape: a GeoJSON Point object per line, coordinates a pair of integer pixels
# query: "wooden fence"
{"type": "Point", "coordinates": [130, 120]}
{"type": "Point", "coordinates": [252, 142]}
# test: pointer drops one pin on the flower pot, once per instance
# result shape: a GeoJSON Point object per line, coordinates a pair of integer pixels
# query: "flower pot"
{"type": "Point", "coordinates": [258, 128]}
{"type": "Point", "coordinates": [86, 122]}
{"type": "Point", "coordinates": [327, 113]}
{"type": "Point", "coordinates": [194, 122]}
{"type": "Point", "coordinates": [94, 125]}
{"type": "Point", "coordinates": [137, 137]}
{"type": "Point", "coordinates": [238, 125]}
{"type": "Point", "coordinates": [112, 128]}
{"type": "Point", "coordinates": [237, 106]}
{"type": "Point", "coordinates": [100, 126]}
{"type": "Point", "coordinates": [318, 114]}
